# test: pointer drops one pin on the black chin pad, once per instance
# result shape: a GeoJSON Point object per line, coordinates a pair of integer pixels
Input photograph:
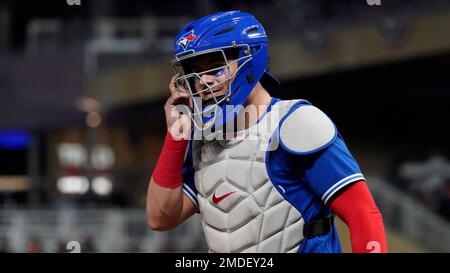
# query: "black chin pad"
{"type": "Point", "coordinates": [211, 101]}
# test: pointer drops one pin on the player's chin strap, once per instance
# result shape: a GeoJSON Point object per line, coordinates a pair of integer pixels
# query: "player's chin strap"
{"type": "Point", "coordinates": [318, 227]}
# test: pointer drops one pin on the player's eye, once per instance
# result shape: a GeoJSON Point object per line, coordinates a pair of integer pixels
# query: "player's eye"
{"type": "Point", "coordinates": [217, 72]}
{"type": "Point", "coordinates": [208, 67]}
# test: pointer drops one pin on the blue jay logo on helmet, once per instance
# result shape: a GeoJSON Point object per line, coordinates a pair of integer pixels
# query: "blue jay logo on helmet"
{"type": "Point", "coordinates": [237, 38]}
{"type": "Point", "coordinates": [185, 40]}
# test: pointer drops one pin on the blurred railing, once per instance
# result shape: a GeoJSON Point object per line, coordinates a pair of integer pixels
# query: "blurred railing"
{"type": "Point", "coordinates": [409, 217]}
{"type": "Point", "coordinates": [117, 230]}
{"type": "Point", "coordinates": [111, 230]}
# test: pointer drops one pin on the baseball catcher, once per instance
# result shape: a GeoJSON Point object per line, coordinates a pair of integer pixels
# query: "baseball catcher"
{"type": "Point", "coordinates": [266, 175]}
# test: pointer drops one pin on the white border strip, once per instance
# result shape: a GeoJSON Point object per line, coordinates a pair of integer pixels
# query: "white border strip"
{"type": "Point", "coordinates": [190, 194]}
{"type": "Point", "coordinates": [340, 184]}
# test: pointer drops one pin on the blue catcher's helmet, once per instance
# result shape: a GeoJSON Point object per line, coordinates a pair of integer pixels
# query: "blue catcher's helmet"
{"type": "Point", "coordinates": [221, 33]}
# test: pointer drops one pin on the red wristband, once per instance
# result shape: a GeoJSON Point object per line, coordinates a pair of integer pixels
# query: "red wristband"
{"type": "Point", "coordinates": [168, 172]}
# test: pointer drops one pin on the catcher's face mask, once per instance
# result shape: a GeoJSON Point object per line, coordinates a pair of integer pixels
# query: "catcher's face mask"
{"type": "Point", "coordinates": [207, 77]}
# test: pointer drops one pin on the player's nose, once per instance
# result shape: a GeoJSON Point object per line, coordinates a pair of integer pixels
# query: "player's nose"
{"type": "Point", "coordinates": [205, 81]}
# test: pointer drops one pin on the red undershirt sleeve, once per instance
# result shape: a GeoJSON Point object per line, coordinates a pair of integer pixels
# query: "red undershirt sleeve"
{"type": "Point", "coordinates": [356, 207]}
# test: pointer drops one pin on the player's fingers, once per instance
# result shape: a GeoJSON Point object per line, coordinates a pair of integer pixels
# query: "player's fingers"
{"type": "Point", "coordinates": [177, 98]}
{"type": "Point", "coordinates": [182, 89]}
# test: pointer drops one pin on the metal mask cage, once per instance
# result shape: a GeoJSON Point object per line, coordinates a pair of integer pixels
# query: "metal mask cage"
{"type": "Point", "coordinates": [188, 79]}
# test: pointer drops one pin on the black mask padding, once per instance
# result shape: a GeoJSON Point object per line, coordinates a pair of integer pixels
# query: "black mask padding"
{"type": "Point", "coordinates": [212, 101]}
{"type": "Point", "coordinates": [269, 82]}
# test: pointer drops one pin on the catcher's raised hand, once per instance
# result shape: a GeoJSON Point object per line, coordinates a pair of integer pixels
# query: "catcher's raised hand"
{"type": "Point", "coordinates": [177, 110]}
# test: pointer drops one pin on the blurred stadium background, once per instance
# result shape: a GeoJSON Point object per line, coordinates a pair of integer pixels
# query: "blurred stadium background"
{"type": "Point", "coordinates": [82, 122]}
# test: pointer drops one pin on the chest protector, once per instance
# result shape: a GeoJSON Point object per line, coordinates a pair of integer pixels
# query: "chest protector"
{"type": "Point", "coordinates": [241, 209]}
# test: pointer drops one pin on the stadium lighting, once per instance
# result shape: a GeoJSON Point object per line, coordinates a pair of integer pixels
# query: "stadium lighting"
{"type": "Point", "coordinates": [73, 184]}
{"type": "Point", "coordinates": [102, 185]}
